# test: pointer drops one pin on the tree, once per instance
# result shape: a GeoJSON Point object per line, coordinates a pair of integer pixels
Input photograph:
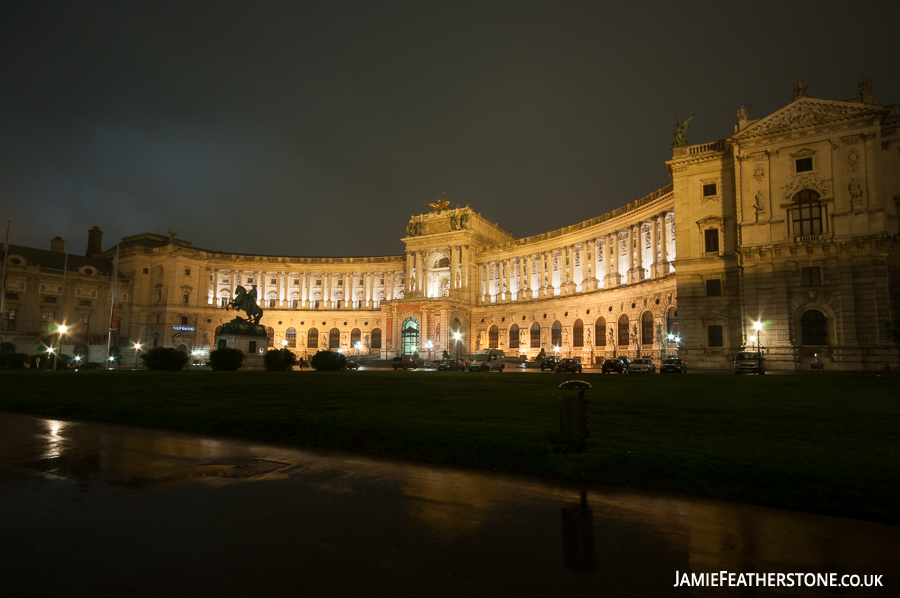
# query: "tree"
{"type": "Point", "coordinates": [164, 358]}
{"type": "Point", "coordinates": [280, 360]}
{"type": "Point", "coordinates": [226, 359]}
{"type": "Point", "coordinates": [328, 361]}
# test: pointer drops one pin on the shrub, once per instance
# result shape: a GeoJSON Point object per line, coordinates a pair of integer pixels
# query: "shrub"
{"type": "Point", "coordinates": [279, 360]}
{"type": "Point", "coordinates": [226, 359]}
{"type": "Point", "coordinates": [164, 358]}
{"type": "Point", "coordinates": [12, 361]}
{"type": "Point", "coordinates": [328, 361]}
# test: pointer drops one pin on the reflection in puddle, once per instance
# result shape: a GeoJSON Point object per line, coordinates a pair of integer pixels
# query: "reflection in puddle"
{"type": "Point", "coordinates": [450, 503]}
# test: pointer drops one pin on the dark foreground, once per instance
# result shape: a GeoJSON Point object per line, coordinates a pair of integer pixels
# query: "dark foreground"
{"type": "Point", "coordinates": [98, 510]}
{"type": "Point", "coordinates": [825, 445]}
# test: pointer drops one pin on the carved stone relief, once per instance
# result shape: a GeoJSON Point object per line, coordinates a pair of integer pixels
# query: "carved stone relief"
{"type": "Point", "coordinates": [853, 159]}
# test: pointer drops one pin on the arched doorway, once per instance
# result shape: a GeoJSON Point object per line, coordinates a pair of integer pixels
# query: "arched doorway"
{"type": "Point", "coordinates": [409, 337]}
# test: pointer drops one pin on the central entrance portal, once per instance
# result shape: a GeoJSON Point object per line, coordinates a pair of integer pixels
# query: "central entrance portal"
{"type": "Point", "coordinates": [409, 337]}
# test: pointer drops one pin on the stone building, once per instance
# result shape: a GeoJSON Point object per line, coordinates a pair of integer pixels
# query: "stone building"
{"type": "Point", "coordinates": [791, 223]}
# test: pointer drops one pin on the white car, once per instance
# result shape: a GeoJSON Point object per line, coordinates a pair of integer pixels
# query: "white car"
{"type": "Point", "coordinates": [643, 366]}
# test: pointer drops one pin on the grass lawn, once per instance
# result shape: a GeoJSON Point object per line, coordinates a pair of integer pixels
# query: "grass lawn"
{"type": "Point", "coordinates": [826, 444]}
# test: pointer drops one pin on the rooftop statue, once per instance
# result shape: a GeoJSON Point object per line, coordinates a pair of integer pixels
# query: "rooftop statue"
{"type": "Point", "coordinates": [172, 235]}
{"type": "Point", "coordinates": [246, 302]}
{"type": "Point", "coordinates": [865, 87]}
{"type": "Point", "coordinates": [464, 221]}
{"type": "Point", "coordinates": [680, 138]}
{"type": "Point", "coordinates": [800, 90]}
{"type": "Point", "coordinates": [441, 203]}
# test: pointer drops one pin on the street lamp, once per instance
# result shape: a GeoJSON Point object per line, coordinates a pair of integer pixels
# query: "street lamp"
{"type": "Point", "coordinates": [752, 340]}
{"type": "Point", "coordinates": [60, 331]}
{"type": "Point", "coordinates": [137, 352]}
{"type": "Point", "coordinates": [429, 345]}
{"type": "Point", "coordinates": [358, 346]}
{"type": "Point", "coordinates": [457, 337]}
{"type": "Point", "coordinates": [758, 327]}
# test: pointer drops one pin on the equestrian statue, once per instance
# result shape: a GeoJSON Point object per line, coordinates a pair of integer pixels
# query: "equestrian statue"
{"type": "Point", "coordinates": [246, 302]}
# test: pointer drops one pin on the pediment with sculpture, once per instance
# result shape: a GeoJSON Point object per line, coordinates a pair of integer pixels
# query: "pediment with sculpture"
{"type": "Point", "coordinates": [807, 112]}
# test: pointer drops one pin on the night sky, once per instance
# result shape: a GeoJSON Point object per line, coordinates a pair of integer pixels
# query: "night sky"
{"type": "Point", "coordinates": [316, 128]}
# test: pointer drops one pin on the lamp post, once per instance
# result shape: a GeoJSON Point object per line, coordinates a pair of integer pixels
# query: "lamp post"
{"type": "Point", "coordinates": [754, 339]}
{"type": "Point", "coordinates": [60, 331]}
{"type": "Point", "coordinates": [758, 327]}
{"type": "Point", "coordinates": [675, 339]}
{"type": "Point", "coordinates": [429, 345]}
{"type": "Point", "coordinates": [137, 353]}
{"type": "Point", "coordinates": [50, 355]}
{"type": "Point", "coordinates": [358, 346]}
{"type": "Point", "coordinates": [457, 337]}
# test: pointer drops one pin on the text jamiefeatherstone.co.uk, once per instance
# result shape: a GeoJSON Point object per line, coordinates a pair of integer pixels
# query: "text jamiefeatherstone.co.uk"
{"type": "Point", "coordinates": [810, 580]}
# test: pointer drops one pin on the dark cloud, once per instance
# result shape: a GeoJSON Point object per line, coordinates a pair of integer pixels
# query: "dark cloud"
{"type": "Point", "coordinates": [316, 128]}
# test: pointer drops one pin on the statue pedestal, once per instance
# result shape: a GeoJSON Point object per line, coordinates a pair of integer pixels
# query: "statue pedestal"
{"type": "Point", "coordinates": [249, 338]}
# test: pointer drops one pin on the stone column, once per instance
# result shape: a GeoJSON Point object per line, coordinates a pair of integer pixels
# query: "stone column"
{"type": "Point", "coordinates": [639, 253]}
{"type": "Point", "coordinates": [524, 280]}
{"type": "Point", "coordinates": [654, 247]}
{"type": "Point", "coordinates": [664, 241]}
{"type": "Point", "coordinates": [420, 272]}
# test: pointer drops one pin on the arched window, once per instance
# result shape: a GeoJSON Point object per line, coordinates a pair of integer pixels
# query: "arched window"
{"type": "Point", "coordinates": [334, 339]}
{"type": "Point", "coordinates": [578, 333]}
{"type": "Point", "coordinates": [807, 216]}
{"type": "Point", "coordinates": [218, 330]}
{"type": "Point", "coordinates": [600, 332]}
{"type": "Point", "coordinates": [514, 336]}
{"type": "Point", "coordinates": [355, 336]}
{"type": "Point", "coordinates": [535, 335]}
{"type": "Point", "coordinates": [494, 337]}
{"type": "Point", "coordinates": [270, 334]}
{"type": "Point", "coordinates": [290, 335]}
{"type": "Point", "coordinates": [444, 262]}
{"type": "Point", "coordinates": [623, 330]}
{"type": "Point", "coordinates": [376, 338]}
{"type": "Point", "coordinates": [556, 334]}
{"type": "Point", "coordinates": [646, 328]}
{"type": "Point", "coordinates": [814, 327]}
{"type": "Point", "coordinates": [312, 339]}
{"type": "Point", "coordinates": [7, 348]}
{"type": "Point", "coordinates": [271, 302]}
{"type": "Point", "coordinates": [409, 337]}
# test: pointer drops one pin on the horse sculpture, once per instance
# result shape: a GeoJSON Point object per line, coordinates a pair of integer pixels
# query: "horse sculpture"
{"type": "Point", "coordinates": [246, 302]}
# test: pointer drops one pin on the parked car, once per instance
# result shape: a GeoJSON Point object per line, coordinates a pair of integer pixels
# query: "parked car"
{"type": "Point", "coordinates": [430, 365]}
{"type": "Point", "coordinates": [450, 365]}
{"type": "Point", "coordinates": [616, 365]}
{"type": "Point", "coordinates": [569, 365]}
{"type": "Point", "coordinates": [749, 362]}
{"type": "Point", "coordinates": [645, 366]}
{"type": "Point", "coordinates": [488, 360]}
{"type": "Point", "coordinates": [352, 363]}
{"type": "Point", "coordinates": [404, 362]}
{"type": "Point", "coordinates": [674, 365]}
{"type": "Point", "coordinates": [549, 363]}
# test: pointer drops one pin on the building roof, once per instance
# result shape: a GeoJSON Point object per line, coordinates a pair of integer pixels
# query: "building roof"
{"type": "Point", "coordinates": [57, 260]}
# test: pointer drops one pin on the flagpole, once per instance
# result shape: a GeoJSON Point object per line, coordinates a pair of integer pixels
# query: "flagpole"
{"type": "Point", "coordinates": [62, 305]}
{"type": "Point", "coordinates": [3, 278]}
{"type": "Point", "coordinates": [112, 302]}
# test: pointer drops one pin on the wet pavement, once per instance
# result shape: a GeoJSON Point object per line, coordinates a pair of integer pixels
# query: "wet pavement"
{"type": "Point", "coordinates": [99, 510]}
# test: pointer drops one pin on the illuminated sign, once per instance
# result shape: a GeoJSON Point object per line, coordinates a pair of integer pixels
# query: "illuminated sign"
{"type": "Point", "coordinates": [185, 328]}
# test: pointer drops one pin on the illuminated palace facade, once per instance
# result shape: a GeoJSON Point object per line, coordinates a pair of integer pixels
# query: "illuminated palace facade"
{"type": "Point", "coordinates": [791, 222]}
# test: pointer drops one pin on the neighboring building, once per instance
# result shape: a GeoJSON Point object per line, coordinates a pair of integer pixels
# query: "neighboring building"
{"type": "Point", "coordinates": [792, 222]}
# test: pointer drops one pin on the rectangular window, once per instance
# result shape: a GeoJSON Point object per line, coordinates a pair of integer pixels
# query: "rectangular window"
{"type": "Point", "coordinates": [712, 240]}
{"type": "Point", "coordinates": [223, 301]}
{"type": "Point", "coordinates": [249, 280]}
{"type": "Point", "coordinates": [82, 326]}
{"type": "Point", "coordinates": [146, 270]}
{"type": "Point", "coordinates": [187, 271]}
{"type": "Point", "coordinates": [159, 295]}
{"type": "Point", "coordinates": [84, 303]}
{"type": "Point", "coordinates": [812, 277]}
{"type": "Point", "coordinates": [804, 165]}
{"type": "Point", "coordinates": [185, 298]}
{"type": "Point", "coordinates": [47, 325]}
{"type": "Point", "coordinates": [9, 320]}
{"type": "Point", "coordinates": [714, 288]}
{"type": "Point", "coordinates": [12, 296]}
{"type": "Point", "coordinates": [48, 299]}
{"type": "Point", "coordinates": [273, 281]}
{"type": "Point", "coordinates": [271, 303]}
{"type": "Point", "coordinates": [296, 282]}
{"type": "Point", "coordinates": [715, 336]}
{"type": "Point", "coordinates": [709, 189]}
{"type": "Point", "coordinates": [184, 320]}
{"type": "Point", "coordinates": [340, 282]}
{"type": "Point", "coordinates": [295, 304]}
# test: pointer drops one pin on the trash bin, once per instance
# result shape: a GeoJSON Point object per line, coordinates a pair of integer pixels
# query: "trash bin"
{"type": "Point", "coordinates": [574, 413]}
